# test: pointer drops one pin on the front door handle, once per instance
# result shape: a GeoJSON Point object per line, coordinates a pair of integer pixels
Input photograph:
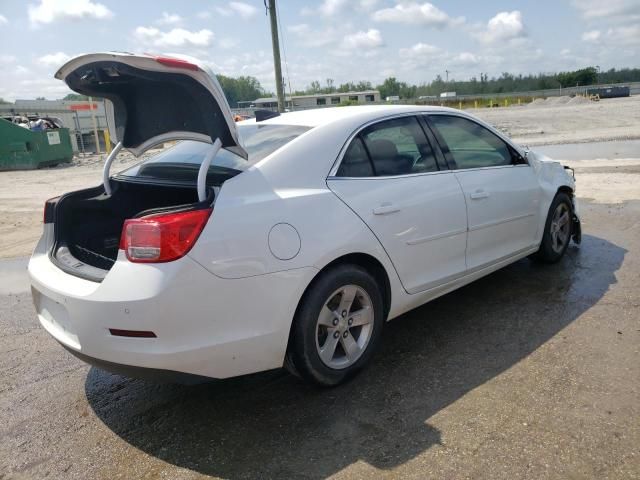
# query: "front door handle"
{"type": "Point", "coordinates": [385, 209]}
{"type": "Point", "coordinates": [479, 195]}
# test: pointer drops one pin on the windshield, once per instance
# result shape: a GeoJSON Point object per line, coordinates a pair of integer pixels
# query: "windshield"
{"type": "Point", "coordinates": [182, 161]}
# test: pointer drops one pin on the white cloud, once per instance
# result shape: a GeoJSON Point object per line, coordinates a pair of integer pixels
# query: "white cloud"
{"type": "Point", "coordinates": [565, 52]}
{"type": "Point", "coordinates": [368, 4]}
{"type": "Point", "coordinates": [53, 59]}
{"type": "Point", "coordinates": [420, 51]}
{"type": "Point", "coordinates": [363, 40]}
{"type": "Point", "coordinates": [21, 70]}
{"type": "Point", "coordinates": [466, 58]}
{"type": "Point", "coordinates": [227, 43]}
{"type": "Point", "coordinates": [625, 36]}
{"type": "Point", "coordinates": [591, 36]}
{"type": "Point", "coordinates": [7, 58]}
{"type": "Point", "coordinates": [169, 19]}
{"type": "Point", "coordinates": [624, 10]}
{"type": "Point", "coordinates": [204, 15]}
{"type": "Point", "coordinates": [48, 11]}
{"type": "Point", "coordinates": [309, 37]}
{"type": "Point", "coordinates": [176, 37]}
{"type": "Point", "coordinates": [505, 26]}
{"type": "Point", "coordinates": [3, 20]}
{"type": "Point", "coordinates": [331, 8]}
{"type": "Point", "coordinates": [244, 10]}
{"type": "Point", "coordinates": [413, 13]}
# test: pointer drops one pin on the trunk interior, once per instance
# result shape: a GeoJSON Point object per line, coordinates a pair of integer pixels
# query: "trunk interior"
{"type": "Point", "coordinates": [88, 223]}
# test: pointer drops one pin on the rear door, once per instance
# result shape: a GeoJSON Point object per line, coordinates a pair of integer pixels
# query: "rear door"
{"type": "Point", "coordinates": [392, 178]}
{"type": "Point", "coordinates": [155, 99]}
{"type": "Point", "coordinates": [501, 190]}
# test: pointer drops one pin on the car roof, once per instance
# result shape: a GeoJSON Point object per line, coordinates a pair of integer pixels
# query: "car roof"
{"type": "Point", "coordinates": [321, 116]}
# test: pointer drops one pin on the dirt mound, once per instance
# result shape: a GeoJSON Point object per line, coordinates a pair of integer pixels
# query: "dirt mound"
{"type": "Point", "coordinates": [578, 100]}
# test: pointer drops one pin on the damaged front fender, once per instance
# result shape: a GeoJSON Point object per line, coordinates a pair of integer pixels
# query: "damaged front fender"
{"type": "Point", "coordinates": [553, 178]}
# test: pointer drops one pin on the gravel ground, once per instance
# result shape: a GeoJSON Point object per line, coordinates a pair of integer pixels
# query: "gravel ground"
{"type": "Point", "coordinates": [570, 121]}
{"type": "Point", "coordinates": [531, 372]}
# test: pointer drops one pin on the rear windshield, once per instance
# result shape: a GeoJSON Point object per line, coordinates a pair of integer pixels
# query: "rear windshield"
{"type": "Point", "coordinates": [182, 161]}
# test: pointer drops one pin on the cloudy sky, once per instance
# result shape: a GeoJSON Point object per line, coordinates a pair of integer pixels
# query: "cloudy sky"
{"type": "Point", "coordinates": [338, 39]}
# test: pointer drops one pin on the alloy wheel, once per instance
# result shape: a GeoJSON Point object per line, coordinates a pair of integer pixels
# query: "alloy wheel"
{"type": "Point", "coordinates": [560, 228]}
{"type": "Point", "coordinates": [344, 327]}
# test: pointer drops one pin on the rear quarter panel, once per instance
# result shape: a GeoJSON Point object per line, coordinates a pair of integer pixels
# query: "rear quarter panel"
{"type": "Point", "coordinates": [235, 242]}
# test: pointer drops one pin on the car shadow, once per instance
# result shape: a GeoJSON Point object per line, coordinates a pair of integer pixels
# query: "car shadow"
{"type": "Point", "coordinates": [273, 425]}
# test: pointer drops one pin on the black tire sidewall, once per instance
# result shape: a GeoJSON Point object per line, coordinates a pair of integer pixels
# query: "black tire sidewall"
{"type": "Point", "coordinates": [302, 349]}
{"type": "Point", "coordinates": [546, 253]}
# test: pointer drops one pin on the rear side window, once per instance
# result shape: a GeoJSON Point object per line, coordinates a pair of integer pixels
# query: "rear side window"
{"type": "Point", "coordinates": [471, 145]}
{"type": "Point", "coordinates": [356, 162]}
{"type": "Point", "coordinates": [388, 148]}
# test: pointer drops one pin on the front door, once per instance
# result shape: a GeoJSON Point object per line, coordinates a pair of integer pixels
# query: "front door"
{"type": "Point", "coordinates": [390, 177]}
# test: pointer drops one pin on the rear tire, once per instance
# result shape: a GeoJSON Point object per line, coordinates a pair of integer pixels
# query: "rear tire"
{"type": "Point", "coordinates": [337, 326]}
{"type": "Point", "coordinates": [557, 230]}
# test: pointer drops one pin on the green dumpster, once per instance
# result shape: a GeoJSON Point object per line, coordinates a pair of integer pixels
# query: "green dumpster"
{"type": "Point", "coordinates": [22, 149]}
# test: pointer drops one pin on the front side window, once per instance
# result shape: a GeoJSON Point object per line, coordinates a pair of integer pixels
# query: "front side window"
{"type": "Point", "coordinates": [391, 147]}
{"type": "Point", "coordinates": [471, 145]}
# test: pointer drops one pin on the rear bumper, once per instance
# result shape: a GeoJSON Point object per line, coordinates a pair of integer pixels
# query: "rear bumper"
{"type": "Point", "coordinates": [154, 374]}
{"type": "Point", "coordinates": [204, 325]}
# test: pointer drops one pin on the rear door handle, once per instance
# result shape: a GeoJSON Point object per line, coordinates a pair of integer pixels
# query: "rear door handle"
{"type": "Point", "coordinates": [385, 209]}
{"type": "Point", "coordinates": [479, 194]}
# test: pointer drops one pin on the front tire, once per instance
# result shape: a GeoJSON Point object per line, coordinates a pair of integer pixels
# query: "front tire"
{"type": "Point", "coordinates": [337, 326]}
{"type": "Point", "coordinates": [557, 230]}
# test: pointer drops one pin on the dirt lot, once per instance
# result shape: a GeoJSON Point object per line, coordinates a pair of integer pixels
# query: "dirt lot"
{"type": "Point", "coordinates": [22, 194]}
{"type": "Point", "coordinates": [565, 120]}
{"type": "Point", "coordinates": [531, 372]}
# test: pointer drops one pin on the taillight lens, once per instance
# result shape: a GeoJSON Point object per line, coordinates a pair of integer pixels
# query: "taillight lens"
{"type": "Point", "coordinates": [162, 237]}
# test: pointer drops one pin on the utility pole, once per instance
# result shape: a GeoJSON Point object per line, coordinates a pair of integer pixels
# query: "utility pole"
{"type": "Point", "coordinates": [275, 43]}
{"type": "Point", "coordinates": [447, 72]}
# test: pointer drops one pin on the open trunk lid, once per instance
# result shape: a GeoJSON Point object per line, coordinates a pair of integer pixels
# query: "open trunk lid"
{"type": "Point", "coordinates": [155, 99]}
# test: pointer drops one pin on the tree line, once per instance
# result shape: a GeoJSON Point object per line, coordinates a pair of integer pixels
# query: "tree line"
{"type": "Point", "coordinates": [247, 88]}
{"type": "Point", "coordinates": [505, 83]}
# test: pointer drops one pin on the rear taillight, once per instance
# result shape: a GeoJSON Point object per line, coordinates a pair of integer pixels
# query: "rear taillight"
{"type": "Point", "coordinates": [49, 210]}
{"type": "Point", "coordinates": [162, 237]}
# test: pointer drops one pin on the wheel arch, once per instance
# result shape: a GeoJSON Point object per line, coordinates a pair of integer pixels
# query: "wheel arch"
{"type": "Point", "coordinates": [565, 189]}
{"type": "Point", "coordinates": [370, 263]}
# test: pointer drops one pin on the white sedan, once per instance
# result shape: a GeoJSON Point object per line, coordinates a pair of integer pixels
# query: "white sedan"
{"type": "Point", "coordinates": [283, 240]}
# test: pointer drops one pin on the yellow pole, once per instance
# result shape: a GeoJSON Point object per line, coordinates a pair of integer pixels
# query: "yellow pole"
{"type": "Point", "coordinates": [506, 102]}
{"type": "Point", "coordinates": [95, 125]}
{"type": "Point", "coordinates": [107, 140]}
{"type": "Point", "coordinates": [518, 100]}
{"type": "Point", "coordinates": [475, 103]}
{"type": "Point", "coordinates": [460, 105]}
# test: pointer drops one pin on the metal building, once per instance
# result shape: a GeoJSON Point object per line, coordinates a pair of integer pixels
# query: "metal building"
{"type": "Point", "coordinates": [301, 102]}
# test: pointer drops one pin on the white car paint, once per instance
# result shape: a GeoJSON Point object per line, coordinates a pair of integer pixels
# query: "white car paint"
{"type": "Point", "coordinates": [226, 308]}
